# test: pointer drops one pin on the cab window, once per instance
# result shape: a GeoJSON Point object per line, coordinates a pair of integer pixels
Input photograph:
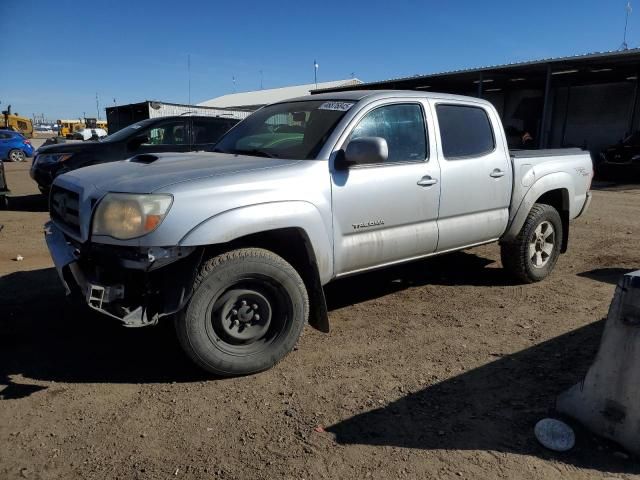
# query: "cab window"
{"type": "Point", "coordinates": [402, 126]}
{"type": "Point", "coordinates": [465, 131]}
{"type": "Point", "coordinates": [169, 133]}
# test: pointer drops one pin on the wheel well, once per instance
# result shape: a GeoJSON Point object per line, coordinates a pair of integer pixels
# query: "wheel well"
{"type": "Point", "coordinates": [294, 246]}
{"type": "Point", "coordinates": [559, 199]}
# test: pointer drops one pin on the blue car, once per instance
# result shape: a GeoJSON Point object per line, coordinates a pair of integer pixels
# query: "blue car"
{"type": "Point", "coordinates": [14, 146]}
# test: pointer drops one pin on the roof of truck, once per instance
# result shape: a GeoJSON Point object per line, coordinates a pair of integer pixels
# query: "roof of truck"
{"type": "Point", "coordinates": [357, 95]}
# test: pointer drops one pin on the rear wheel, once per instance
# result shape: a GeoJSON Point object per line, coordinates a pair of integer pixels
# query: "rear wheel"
{"type": "Point", "coordinates": [532, 255]}
{"type": "Point", "coordinates": [247, 312]}
{"type": "Point", "coordinates": [17, 155]}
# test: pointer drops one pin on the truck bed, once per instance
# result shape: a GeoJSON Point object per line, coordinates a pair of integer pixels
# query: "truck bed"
{"type": "Point", "coordinates": [567, 170]}
{"type": "Point", "coordinates": [549, 152]}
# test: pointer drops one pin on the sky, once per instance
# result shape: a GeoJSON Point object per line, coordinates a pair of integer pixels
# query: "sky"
{"type": "Point", "coordinates": [57, 54]}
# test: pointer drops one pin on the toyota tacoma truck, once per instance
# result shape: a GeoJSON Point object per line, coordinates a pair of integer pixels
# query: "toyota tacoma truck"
{"type": "Point", "coordinates": [236, 244]}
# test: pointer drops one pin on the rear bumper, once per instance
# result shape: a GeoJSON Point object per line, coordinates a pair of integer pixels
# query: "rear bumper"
{"type": "Point", "coordinates": [136, 288]}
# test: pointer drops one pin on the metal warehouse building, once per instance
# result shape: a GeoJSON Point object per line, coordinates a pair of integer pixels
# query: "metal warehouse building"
{"type": "Point", "coordinates": [259, 98]}
{"type": "Point", "coordinates": [588, 101]}
{"type": "Point", "coordinates": [121, 116]}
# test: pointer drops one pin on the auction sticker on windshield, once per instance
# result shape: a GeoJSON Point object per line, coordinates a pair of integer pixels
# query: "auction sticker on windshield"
{"type": "Point", "coordinates": [337, 106]}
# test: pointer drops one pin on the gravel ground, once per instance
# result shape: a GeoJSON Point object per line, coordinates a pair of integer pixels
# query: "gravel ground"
{"type": "Point", "coordinates": [438, 369]}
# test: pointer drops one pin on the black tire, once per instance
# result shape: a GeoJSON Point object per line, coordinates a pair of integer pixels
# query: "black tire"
{"type": "Point", "coordinates": [227, 343]}
{"type": "Point", "coordinates": [520, 260]}
{"type": "Point", "coordinates": [16, 155]}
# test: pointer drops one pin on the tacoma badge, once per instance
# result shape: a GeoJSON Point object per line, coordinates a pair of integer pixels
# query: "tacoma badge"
{"type": "Point", "coordinates": [371, 223]}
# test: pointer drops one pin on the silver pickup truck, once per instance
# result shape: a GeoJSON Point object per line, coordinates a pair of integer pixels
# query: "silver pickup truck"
{"type": "Point", "coordinates": [236, 244]}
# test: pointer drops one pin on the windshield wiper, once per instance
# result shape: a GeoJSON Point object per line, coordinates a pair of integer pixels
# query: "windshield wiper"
{"type": "Point", "coordinates": [256, 152]}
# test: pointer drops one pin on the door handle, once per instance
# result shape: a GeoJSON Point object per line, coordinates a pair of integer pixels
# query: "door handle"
{"type": "Point", "coordinates": [427, 181]}
{"type": "Point", "coordinates": [497, 173]}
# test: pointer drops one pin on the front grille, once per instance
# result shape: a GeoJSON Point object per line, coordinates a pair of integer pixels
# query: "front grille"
{"type": "Point", "coordinates": [65, 208]}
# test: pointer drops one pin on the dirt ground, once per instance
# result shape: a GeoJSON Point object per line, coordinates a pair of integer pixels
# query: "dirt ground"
{"type": "Point", "coordinates": [438, 369]}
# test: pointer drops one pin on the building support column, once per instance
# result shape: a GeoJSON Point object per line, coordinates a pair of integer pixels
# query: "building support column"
{"type": "Point", "coordinates": [634, 107]}
{"type": "Point", "coordinates": [480, 82]}
{"type": "Point", "coordinates": [546, 110]}
{"type": "Point", "coordinates": [566, 112]}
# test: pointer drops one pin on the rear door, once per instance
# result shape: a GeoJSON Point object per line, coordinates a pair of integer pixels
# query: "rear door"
{"type": "Point", "coordinates": [476, 174]}
{"type": "Point", "coordinates": [386, 213]}
{"type": "Point", "coordinates": [207, 131]}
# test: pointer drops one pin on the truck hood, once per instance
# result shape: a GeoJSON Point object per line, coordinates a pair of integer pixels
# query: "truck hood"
{"type": "Point", "coordinates": [151, 173]}
{"type": "Point", "coordinates": [68, 147]}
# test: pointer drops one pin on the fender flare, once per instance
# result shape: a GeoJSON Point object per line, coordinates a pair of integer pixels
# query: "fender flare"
{"type": "Point", "coordinates": [235, 223]}
{"type": "Point", "coordinates": [547, 183]}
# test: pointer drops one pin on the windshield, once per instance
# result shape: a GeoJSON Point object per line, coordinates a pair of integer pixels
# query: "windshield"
{"type": "Point", "coordinates": [127, 131]}
{"type": "Point", "coordinates": [294, 130]}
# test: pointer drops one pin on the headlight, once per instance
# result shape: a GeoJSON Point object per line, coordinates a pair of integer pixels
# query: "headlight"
{"type": "Point", "coordinates": [53, 157]}
{"type": "Point", "coordinates": [124, 215]}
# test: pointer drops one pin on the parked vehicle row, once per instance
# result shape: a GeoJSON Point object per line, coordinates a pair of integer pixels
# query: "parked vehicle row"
{"type": "Point", "coordinates": [236, 244]}
{"type": "Point", "coordinates": [14, 146]}
{"type": "Point", "coordinates": [89, 134]}
{"type": "Point", "coordinates": [622, 159]}
{"type": "Point", "coordinates": [166, 134]}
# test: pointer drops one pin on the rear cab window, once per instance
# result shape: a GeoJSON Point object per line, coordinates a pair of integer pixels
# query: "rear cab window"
{"type": "Point", "coordinates": [465, 131]}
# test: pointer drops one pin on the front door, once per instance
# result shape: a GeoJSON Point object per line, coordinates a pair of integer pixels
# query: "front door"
{"type": "Point", "coordinates": [385, 213]}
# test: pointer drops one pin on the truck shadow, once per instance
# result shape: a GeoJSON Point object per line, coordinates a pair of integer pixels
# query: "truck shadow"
{"type": "Point", "coordinates": [27, 203]}
{"type": "Point", "coordinates": [606, 275]}
{"type": "Point", "coordinates": [44, 338]}
{"type": "Point", "coordinates": [493, 407]}
{"type": "Point", "coordinates": [490, 408]}
{"type": "Point", "coordinates": [458, 268]}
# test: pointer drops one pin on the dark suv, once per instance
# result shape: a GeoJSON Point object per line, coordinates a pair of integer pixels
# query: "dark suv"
{"type": "Point", "coordinates": [166, 134]}
{"type": "Point", "coordinates": [620, 161]}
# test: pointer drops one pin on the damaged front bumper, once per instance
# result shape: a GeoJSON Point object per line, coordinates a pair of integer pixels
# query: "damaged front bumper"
{"type": "Point", "coordinates": [135, 285]}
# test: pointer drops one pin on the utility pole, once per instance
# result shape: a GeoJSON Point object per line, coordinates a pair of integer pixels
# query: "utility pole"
{"type": "Point", "coordinates": [628, 9]}
{"type": "Point", "coordinates": [315, 73]}
{"type": "Point", "coordinates": [97, 106]}
{"type": "Point", "coordinates": [261, 80]}
{"type": "Point", "coordinates": [189, 75]}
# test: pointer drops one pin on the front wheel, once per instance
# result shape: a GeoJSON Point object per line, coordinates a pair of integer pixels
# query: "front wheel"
{"type": "Point", "coordinates": [17, 155]}
{"type": "Point", "coordinates": [532, 255]}
{"type": "Point", "coordinates": [247, 312]}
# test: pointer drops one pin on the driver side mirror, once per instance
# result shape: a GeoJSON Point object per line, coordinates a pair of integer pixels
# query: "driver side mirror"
{"type": "Point", "coordinates": [138, 140]}
{"type": "Point", "coordinates": [363, 151]}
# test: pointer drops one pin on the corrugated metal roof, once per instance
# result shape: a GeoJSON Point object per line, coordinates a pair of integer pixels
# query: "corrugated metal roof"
{"type": "Point", "coordinates": [579, 57]}
{"type": "Point", "coordinates": [272, 95]}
